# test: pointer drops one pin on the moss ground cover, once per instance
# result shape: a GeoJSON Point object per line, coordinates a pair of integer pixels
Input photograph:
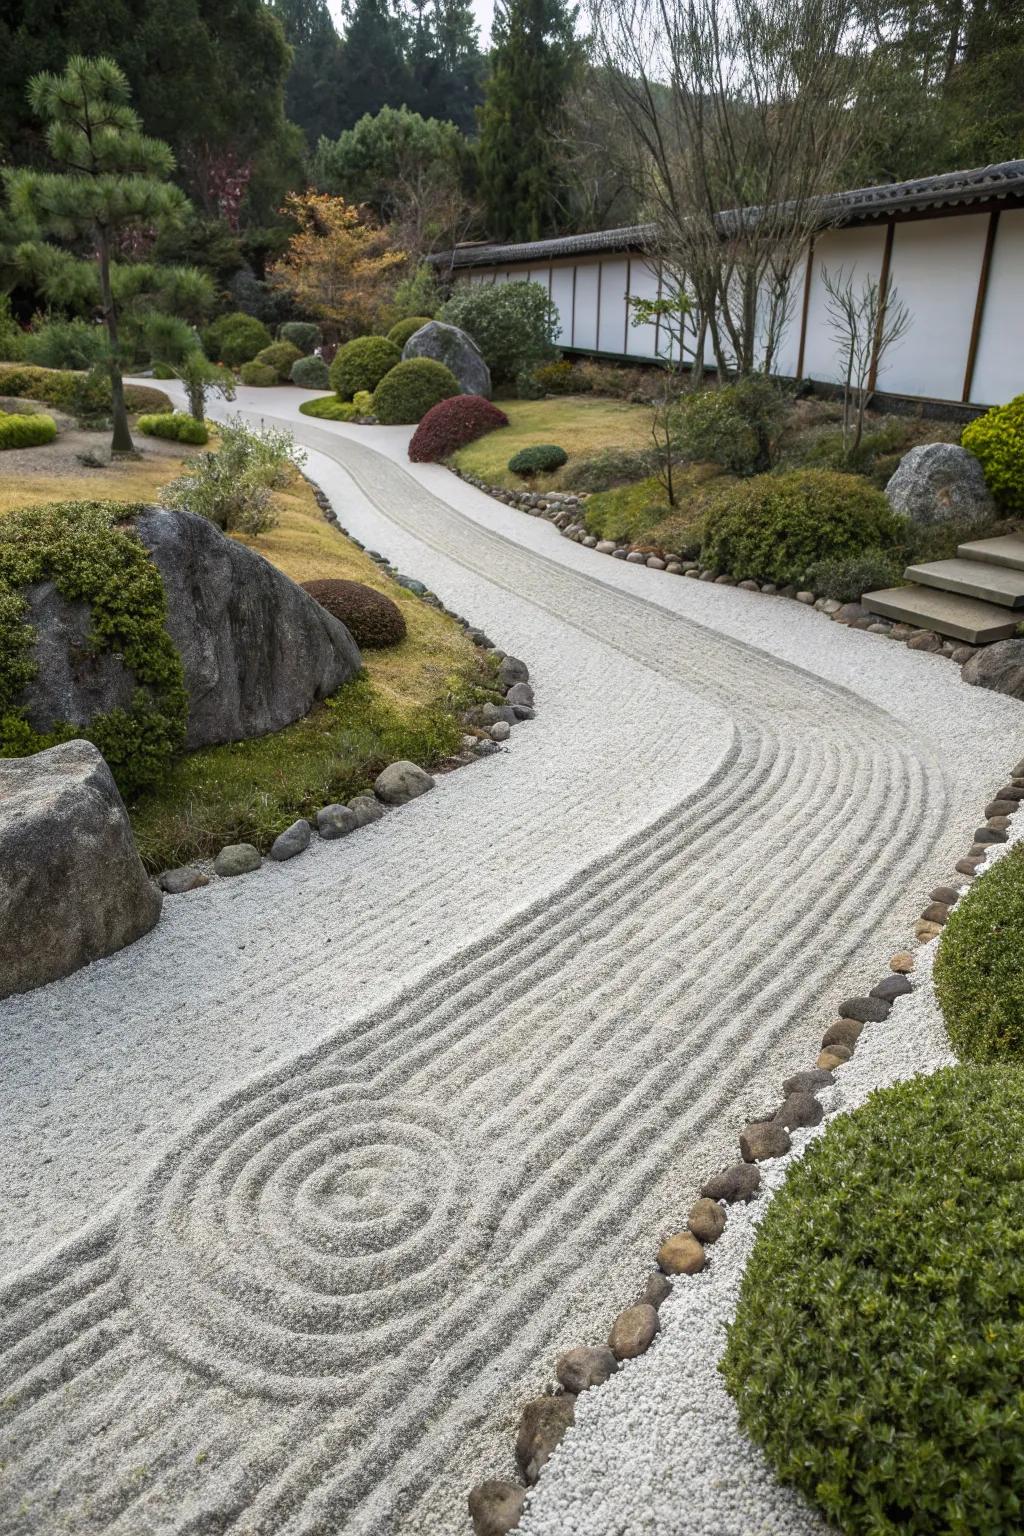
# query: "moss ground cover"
{"type": "Point", "coordinates": [582, 425]}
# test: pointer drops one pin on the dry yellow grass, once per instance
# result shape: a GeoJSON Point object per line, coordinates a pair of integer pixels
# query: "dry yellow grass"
{"type": "Point", "coordinates": [580, 424]}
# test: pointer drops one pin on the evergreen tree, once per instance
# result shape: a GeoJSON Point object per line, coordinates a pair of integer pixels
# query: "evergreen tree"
{"type": "Point", "coordinates": [312, 92]}
{"type": "Point", "coordinates": [458, 81]}
{"type": "Point", "coordinates": [535, 59]}
{"type": "Point", "coordinates": [374, 68]}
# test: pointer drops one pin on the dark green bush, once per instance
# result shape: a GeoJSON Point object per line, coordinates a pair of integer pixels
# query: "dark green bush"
{"type": "Point", "coordinates": [405, 395]}
{"type": "Point", "coordinates": [848, 577]}
{"type": "Point", "coordinates": [235, 339]}
{"type": "Point", "coordinates": [979, 969]}
{"type": "Point", "coordinates": [997, 439]}
{"type": "Point", "coordinates": [329, 408]}
{"type": "Point", "coordinates": [541, 459]}
{"type": "Point", "coordinates": [302, 334]}
{"type": "Point", "coordinates": [372, 619]}
{"type": "Point", "coordinates": [260, 375]}
{"type": "Point", "coordinates": [775, 527]}
{"type": "Point", "coordinates": [281, 356]}
{"type": "Point", "coordinates": [26, 431]}
{"type": "Point", "coordinates": [400, 333]}
{"type": "Point", "coordinates": [513, 324]}
{"type": "Point", "coordinates": [66, 344]}
{"type": "Point", "coordinates": [877, 1352]}
{"type": "Point", "coordinates": [361, 364]}
{"type": "Point", "coordinates": [174, 425]}
{"type": "Point", "coordinates": [310, 373]}
{"type": "Point", "coordinates": [738, 426]}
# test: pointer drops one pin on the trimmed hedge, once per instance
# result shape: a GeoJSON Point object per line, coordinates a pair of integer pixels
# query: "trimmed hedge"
{"type": "Point", "coordinates": [303, 334]}
{"type": "Point", "coordinates": [979, 968]}
{"type": "Point", "coordinates": [775, 527]}
{"type": "Point", "coordinates": [329, 408]}
{"type": "Point", "coordinates": [361, 364]}
{"type": "Point", "coordinates": [451, 424]}
{"type": "Point", "coordinates": [262, 375]}
{"type": "Point", "coordinates": [997, 439]}
{"type": "Point", "coordinates": [406, 394]}
{"type": "Point", "coordinates": [235, 339]}
{"type": "Point", "coordinates": [66, 389]}
{"type": "Point", "coordinates": [176, 426]}
{"type": "Point", "coordinates": [878, 1345]}
{"type": "Point", "coordinates": [310, 373]}
{"type": "Point", "coordinates": [541, 459]}
{"type": "Point", "coordinates": [26, 431]}
{"type": "Point", "coordinates": [280, 355]}
{"type": "Point", "coordinates": [401, 332]}
{"type": "Point", "coordinates": [371, 618]}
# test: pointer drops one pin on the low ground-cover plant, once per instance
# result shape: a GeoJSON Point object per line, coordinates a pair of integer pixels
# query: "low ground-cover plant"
{"type": "Point", "coordinates": [775, 527]}
{"type": "Point", "coordinates": [233, 486]}
{"type": "Point", "coordinates": [979, 968]}
{"type": "Point", "coordinates": [26, 431]}
{"type": "Point", "coordinates": [847, 577]}
{"type": "Point", "coordinates": [303, 334]}
{"type": "Point", "coordinates": [281, 356]}
{"type": "Point", "coordinates": [310, 373]}
{"type": "Point", "coordinates": [451, 424]}
{"type": "Point", "coordinates": [611, 467]}
{"type": "Point", "coordinates": [877, 1345]}
{"type": "Point", "coordinates": [174, 425]}
{"type": "Point", "coordinates": [403, 329]}
{"type": "Point", "coordinates": [997, 439]}
{"type": "Point", "coordinates": [513, 324]}
{"type": "Point", "coordinates": [258, 375]}
{"type": "Point", "coordinates": [407, 392]}
{"type": "Point", "coordinates": [235, 339]}
{"type": "Point", "coordinates": [330, 408]}
{"type": "Point", "coordinates": [373, 620]}
{"type": "Point", "coordinates": [361, 364]}
{"type": "Point", "coordinates": [637, 512]}
{"type": "Point", "coordinates": [542, 459]}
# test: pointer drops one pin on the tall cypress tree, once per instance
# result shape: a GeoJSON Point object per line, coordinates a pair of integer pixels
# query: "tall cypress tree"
{"type": "Point", "coordinates": [536, 54]}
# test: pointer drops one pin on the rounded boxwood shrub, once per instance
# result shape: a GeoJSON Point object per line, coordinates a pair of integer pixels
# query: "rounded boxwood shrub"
{"type": "Point", "coordinates": [775, 527]}
{"type": "Point", "coordinates": [876, 1353]}
{"type": "Point", "coordinates": [406, 394]}
{"type": "Point", "coordinates": [452, 423]}
{"type": "Point", "coordinates": [329, 408]}
{"type": "Point", "coordinates": [259, 374]}
{"type": "Point", "coordinates": [176, 426]}
{"type": "Point", "coordinates": [26, 431]}
{"type": "Point", "coordinates": [538, 460]}
{"type": "Point", "coordinates": [310, 373]}
{"type": "Point", "coordinates": [401, 332]}
{"type": "Point", "coordinates": [372, 619]}
{"type": "Point", "coordinates": [235, 339]}
{"type": "Point", "coordinates": [303, 334]}
{"type": "Point", "coordinates": [361, 364]}
{"type": "Point", "coordinates": [979, 968]}
{"type": "Point", "coordinates": [997, 439]}
{"type": "Point", "coordinates": [280, 356]}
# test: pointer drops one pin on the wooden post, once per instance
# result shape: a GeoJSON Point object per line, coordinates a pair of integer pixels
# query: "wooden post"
{"type": "Point", "coordinates": [979, 302]}
{"type": "Point", "coordinates": [808, 275]}
{"type": "Point", "coordinates": [883, 296]}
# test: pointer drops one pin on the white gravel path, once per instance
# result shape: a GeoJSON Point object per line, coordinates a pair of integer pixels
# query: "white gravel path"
{"type": "Point", "coordinates": [304, 1192]}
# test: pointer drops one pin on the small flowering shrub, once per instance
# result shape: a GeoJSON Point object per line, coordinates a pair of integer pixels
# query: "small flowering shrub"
{"type": "Point", "coordinates": [451, 424]}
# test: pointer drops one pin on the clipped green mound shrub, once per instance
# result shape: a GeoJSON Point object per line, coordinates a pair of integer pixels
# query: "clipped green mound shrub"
{"type": "Point", "coordinates": [329, 408]}
{"type": "Point", "coordinates": [850, 576]}
{"type": "Point", "coordinates": [997, 439]}
{"type": "Point", "coordinates": [26, 431]}
{"type": "Point", "coordinates": [775, 527]}
{"type": "Point", "coordinates": [235, 339]}
{"type": "Point", "coordinates": [878, 1345]}
{"type": "Point", "coordinates": [175, 425]}
{"type": "Point", "coordinates": [401, 332]}
{"type": "Point", "coordinates": [303, 334]}
{"type": "Point", "coordinates": [361, 364]}
{"type": "Point", "coordinates": [261, 375]}
{"type": "Point", "coordinates": [372, 619]}
{"type": "Point", "coordinates": [75, 392]}
{"type": "Point", "coordinates": [281, 356]}
{"type": "Point", "coordinates": [406, 394]}
{"type": "Point", "coordinates": [541, 459]}
{"type": "Point", "coordinates": [979, 968]}
{"type": "Point", "coordinates": [450, 425]}
{"type": "Point", "coordinates": [310, 373]}
{"type": "Point", "coordinates": [90, 553]}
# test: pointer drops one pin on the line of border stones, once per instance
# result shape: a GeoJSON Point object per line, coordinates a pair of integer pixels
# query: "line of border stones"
{"type": "Point", "coordinates": [495, 1506]}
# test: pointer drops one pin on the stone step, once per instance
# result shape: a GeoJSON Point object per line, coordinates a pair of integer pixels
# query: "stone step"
{"type": "Point", "coordinates": [1006, 550]}
{"type": "Point", "coordinates": [960, 618]}
{"type": "Point", "coordinates": [971, 578]}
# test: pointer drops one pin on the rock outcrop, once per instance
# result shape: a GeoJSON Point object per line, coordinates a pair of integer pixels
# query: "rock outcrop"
{"type": "Point", "coordinates": [999, 667]}
{"type": "Point", "coordinates": [457, 350]}
{"type": "Point", "coordinates": [940, 482]}
{"type": "Point", "coordinates": [72, 885]}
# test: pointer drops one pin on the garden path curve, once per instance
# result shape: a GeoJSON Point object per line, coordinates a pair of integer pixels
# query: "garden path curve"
{"type": "Point", "coordinates": [304, 1192]}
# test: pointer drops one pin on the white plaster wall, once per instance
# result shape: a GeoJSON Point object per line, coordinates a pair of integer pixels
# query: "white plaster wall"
{"type": "Point", "coordinates": [561, 293]}
{"type": "Point", "coordinates": [935, 268]}
{"type": "Point", "coordinates": [586, 306]}
{"type": "Point", "coordinates": [787, 347]}
{"type": "Point", "coordinates": [855, 252]}
{"type": "Point", "coordinates": [999, 364]}
{"type": "Point", "coordinates": [613, 305]}
{"type": "Point", "coordinates": [643, 284]}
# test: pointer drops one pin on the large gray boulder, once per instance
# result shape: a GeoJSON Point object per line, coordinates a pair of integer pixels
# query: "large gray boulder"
{"type": "Point", "coordinates": [940, 483]}
{"type": "Point", "coordinates": [258, 652]}
{"type": "Point", "coordinates": [457, 350]}
{"type": "Point", "coordinates": [999, 667]}
{"type": "Point", "coordinates": [72, 886]}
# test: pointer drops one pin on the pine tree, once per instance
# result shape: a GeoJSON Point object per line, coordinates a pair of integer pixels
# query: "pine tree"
{"type": "Point", "coordinates": [458, 81]}
{"type": "Point", "coordinates": [374, 68]}
{"type": "Point", "coordinates": [114, 178]}
{"type": "Point", "coordinates": [535, 58]}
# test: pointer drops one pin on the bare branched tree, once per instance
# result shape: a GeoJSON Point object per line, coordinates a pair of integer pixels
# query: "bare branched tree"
{"type": "Point", "coordinates": [866, 323]}
{"type": "Point", "coordinates": [738, 113]}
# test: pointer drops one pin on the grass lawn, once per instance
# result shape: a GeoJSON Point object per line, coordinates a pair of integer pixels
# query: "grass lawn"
{"type": "Point", "coordinates": [580, 424]}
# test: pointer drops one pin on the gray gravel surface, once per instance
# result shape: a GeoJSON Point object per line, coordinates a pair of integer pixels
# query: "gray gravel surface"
{"type": "Point", "coordinates": [305, 1191]}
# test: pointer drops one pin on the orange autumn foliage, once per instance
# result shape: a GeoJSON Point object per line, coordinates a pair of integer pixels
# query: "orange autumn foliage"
{"type": "Point", "coordinates": [339, 266]}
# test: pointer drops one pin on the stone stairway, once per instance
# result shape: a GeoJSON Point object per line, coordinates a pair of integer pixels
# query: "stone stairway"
{"type": "Point", "coordinates": [976, 598]}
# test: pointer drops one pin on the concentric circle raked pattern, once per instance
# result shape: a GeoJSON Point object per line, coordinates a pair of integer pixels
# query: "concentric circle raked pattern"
{"type": "Point", "coordinates": [290, 1237]}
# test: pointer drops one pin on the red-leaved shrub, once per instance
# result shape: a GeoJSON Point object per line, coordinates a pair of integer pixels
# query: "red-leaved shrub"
{"type": "Point", "coordinates": [451, 424]}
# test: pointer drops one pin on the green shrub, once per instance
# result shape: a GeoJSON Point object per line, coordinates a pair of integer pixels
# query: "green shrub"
{"type": "Point", "coordinates": [168, 338]}
{"type": "Point", "coordinates": [361, 364]}
{"type": "Point", "coordinates": [775, 527]}
{"type": "Point", "coordinates": [528, 386]}
{"type": "Point", "coordinates": [997, 439]}
{"type": "Point", "coordinates": [876, 1353]}
{"type": "Point", "coordinates": [281, 356]}
{"type": "Point", "coordinates": [373, 620]}
{"type": "Point", "coordinates": [82, 394]}
{"type": "Point", "coordinates": [541, 459]}
{"type": "Point", "coordinates": [330, 408]}
{"type": "Point", "coordinates": [363, 402]}
{"type": "Point", "coordinates": [66, 344]}
{"type": "Point", "coordinates": [235, 339]}
{"type": "Point", "coordinates": [406, 394]}
{"type": "Point", "coordinates": [513, 324]}
{"type": "Point", "coordinates": [90, 553]}
{"type": "Point", "coordinates": [560, 378]}
{"type": "Point", "coordinates": [737, 426]}
{"type": "Point", "coordinates": [609, 467]}
{"type": "Point", "coordinates": [979, 968]}
{"type": "Point", "coordinates": [310, 373]}
{"type": "Point", "coordinates": [400, 333]}
{"type": "Point", "coordinates": [848, 577]}
{"type": "Point", "coordinates": [140, 397]}
{"type": "Point", "coordinates": [303, 334]}
{"type": "Point", "coordinates": [233, 486]}
{"type": "Point", "coordinates": [13, 340]}
{"type": "Point", "coordinates": [259, 375]}
{"type": "Point", "coordinates": [174, 425]}
{"type": "Point", "coordinates": [163, 371]}
{"type": "Point", "coordinates": [26, 431]}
